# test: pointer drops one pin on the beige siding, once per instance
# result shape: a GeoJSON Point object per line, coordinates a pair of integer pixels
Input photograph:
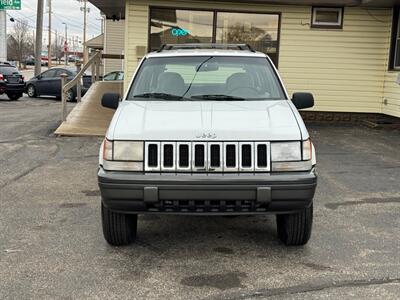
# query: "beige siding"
{"type": "Point", "coordinates": [391, 95]}
{"type": "Point", "coordinates": [391, 92]}
{"type": "Point", "coordinates": [114, 42]}
{"type": "Point", "coordinates": [345, 69]}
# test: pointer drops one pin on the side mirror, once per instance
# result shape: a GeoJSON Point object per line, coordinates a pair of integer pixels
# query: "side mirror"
{"type": "Point", "coordinates": [39, 77]}
{"type": "Point", "coordinates": [110, 100]}
{"type": "Point", "coordinates": [303, 100]}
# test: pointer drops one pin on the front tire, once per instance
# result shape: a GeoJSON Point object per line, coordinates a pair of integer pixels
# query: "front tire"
{"type": "Point", "coordinates": [295, 229]}
{"type": "Point", "coordinates": [70, 96]}
{"type": "Point", "coordinates": [14, 97]}
{"type": "Point", "coordinates": [31, 91]}
{"type": "Point", "coordinates": [118, 229]}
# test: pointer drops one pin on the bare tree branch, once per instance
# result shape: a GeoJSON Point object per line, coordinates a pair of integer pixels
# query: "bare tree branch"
{"type": "Point", "coordinates": [20, 42]}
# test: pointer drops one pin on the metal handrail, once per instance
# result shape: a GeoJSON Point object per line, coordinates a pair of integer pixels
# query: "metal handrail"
{"type": "Point", "coordinates": [76, 80]}
{"type": "Point", "coordinates": [94, 61]}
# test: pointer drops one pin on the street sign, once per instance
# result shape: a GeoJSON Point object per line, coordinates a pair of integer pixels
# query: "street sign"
{"type": "Point", "coordinates": [10, 4]}
{"type": "Point", "coordinates": [66, 46]}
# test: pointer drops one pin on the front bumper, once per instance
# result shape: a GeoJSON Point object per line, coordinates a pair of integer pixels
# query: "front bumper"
{"type": "Point", "coordinates": [17, 88]}
{"type": "Point", "coordinates": [213, 194]}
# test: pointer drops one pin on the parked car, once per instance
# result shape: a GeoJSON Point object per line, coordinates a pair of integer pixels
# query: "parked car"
{"type": "Point", "coordinates": [73, 58]}
{"type": "Point", "coordinates": [30, 61]}
{"type": "Point", "coordinates": [114, 76]}
{"type": "Point", "coordinates": [48, 83]}
{"type": "Point", "coordinates": [207, 130]}
{"type": "Point", "coordinates": [11, 82]}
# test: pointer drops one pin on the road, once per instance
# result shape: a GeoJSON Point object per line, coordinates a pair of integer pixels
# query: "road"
{"type": "Point", "coordinates": [51, 243]}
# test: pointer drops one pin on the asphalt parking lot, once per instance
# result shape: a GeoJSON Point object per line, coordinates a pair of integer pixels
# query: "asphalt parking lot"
{"type": "Point", "coordinates": [51, 243]}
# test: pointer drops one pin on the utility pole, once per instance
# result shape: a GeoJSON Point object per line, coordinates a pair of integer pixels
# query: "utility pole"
{"type": "Point", "coordinates": [56, 47]}
{"type": "Point", "coordinates": [74, 45]}
{"type": "Point", "coordinates": [39, 36]}
{"type": "Point", "coordinates": [49, 50]}
{"type": "Point", "coordinates": [34, 39]}
{"type": "Point", "coordinates": [84, 31]}
{"type": "Point", "coordinates": [3, 35]}
{"type": "Point", "coordinates": [66, 43]}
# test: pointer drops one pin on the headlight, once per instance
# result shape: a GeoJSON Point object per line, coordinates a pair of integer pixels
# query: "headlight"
{"type": "Point", "coordinates": [128, 151]}
{"type": "Point", "coordinates": [122, 155]}
{"type": "Point", "coordinates": [288, 151]}
{"type": "Point", "coordinates": [291, 156]}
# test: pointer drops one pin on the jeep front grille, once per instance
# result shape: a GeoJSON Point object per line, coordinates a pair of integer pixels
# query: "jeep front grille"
{"type": "Point", "coordinates": [207, 156]}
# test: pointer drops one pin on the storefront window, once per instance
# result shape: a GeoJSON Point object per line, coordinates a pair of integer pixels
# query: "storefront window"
{"type": "Point", "coordinates": [176, 26]}
{"type": "Point", "coordinates": [260, 31]}
{"type": "Point", "coordinates": [172, 26]}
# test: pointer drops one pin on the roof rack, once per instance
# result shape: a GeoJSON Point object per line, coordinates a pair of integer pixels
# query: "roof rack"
{"type": "Point", "coordinates": [241, 47]}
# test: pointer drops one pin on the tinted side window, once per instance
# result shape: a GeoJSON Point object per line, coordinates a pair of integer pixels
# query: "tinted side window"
{"type": "Point", "coordinates": [120, 76]}
{"type": "Point", "coordinates": [61, 71]}
{"type": "Point", "coordinates": [109, 76]}
{"type": "Point", "coordinates": [49, 74]}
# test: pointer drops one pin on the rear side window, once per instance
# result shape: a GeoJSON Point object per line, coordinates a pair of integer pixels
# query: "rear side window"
{"type": "Point", "coordinates": [59, 72]}
{"type": "Point", "coordinates": [110, 76]}
{"type": "Point", "coordinates": [49, 74]}
{"type": "Point", "coordinates": [8, 70]}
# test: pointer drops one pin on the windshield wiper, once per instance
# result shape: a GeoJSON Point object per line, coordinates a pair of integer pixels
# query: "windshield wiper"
{"type": "Point", "coordinates": [218, 97]}
{"type": "Point", "coordinates": [163, 96]}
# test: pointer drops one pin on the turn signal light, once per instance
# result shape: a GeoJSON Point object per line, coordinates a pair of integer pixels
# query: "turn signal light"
{"type": "Point", "coordinates": [107, 150]}
{"type": "Point", "coordinates": [307, 150]}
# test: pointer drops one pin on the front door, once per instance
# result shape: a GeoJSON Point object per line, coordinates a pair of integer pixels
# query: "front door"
{"type": "Point", "coordinates": [43, 84]}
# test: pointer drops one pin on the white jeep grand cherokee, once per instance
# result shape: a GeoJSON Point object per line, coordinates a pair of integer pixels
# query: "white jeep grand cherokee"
{"type": "Point", "coordinates": [207, 130]}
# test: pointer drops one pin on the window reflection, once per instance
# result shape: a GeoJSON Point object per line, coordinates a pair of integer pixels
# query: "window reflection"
{"type": "Point", "coordinates": [258, 30]}
{"type": "Point", "coordinates": [176, 26]}
{"type": "Point", "coordinates": [171, 26]}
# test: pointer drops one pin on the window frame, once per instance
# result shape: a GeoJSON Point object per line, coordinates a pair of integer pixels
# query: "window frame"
{"type": "Point", "coordinates": [395, 40]}
{"type": "Point", "coordinates": [327, 25]}
{"type": "Point", "coordinates": [214, 23]}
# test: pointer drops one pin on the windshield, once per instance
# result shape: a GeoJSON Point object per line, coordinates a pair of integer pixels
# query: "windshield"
{"type": "Point", "coordinates": [8, 70]}
{"type": "Point", "coordinates": [206, 78]}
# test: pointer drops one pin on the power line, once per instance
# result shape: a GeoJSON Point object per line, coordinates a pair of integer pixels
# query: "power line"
{"type": "Point", "coordinates": [33, 27]}
{"type": "Point", "coordinates": [73, 22]}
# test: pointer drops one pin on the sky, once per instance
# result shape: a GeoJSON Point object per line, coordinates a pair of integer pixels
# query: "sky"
{"type": "Point", "coordinates": [67, 11]}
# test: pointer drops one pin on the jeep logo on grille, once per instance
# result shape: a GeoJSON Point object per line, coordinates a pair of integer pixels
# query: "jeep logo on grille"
{"type": "Point", "coordinates": [207, 135]}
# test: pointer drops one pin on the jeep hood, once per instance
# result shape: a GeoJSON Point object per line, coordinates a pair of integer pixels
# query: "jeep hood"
{"type": "Point", "coordinates": [204, 120]}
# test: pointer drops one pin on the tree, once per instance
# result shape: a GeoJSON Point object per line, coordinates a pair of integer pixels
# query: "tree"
{"type": "Point", "coordinates": [20, 42]}
{"type": "Point", "coordinates": [58, 47]}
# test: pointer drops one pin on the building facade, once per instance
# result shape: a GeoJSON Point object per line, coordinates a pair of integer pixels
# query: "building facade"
{"type": "Point", "coordinates": [114, 43]}
{"type": "Point", "coordinates": [347, 55]}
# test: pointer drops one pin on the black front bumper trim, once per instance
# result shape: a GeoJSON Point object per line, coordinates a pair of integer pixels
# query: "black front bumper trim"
{"type": "Point", "coordinates": [206, 193]}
